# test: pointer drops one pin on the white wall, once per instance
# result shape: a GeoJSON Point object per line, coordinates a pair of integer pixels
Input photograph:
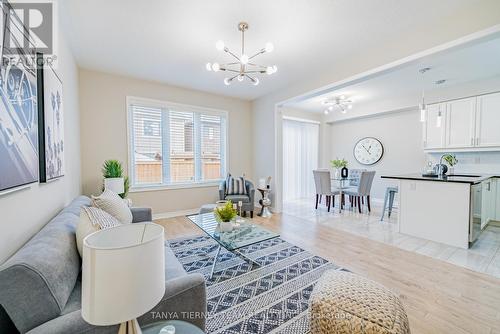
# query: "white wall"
{"type": "Point", "coordinates": [104, 134]}
{"type": "Point", "coordinates": [401, 135]}
{"type": "Point", "coordinates": [25, 212]}
{"type": "Point", "coordinates": [267, 125]}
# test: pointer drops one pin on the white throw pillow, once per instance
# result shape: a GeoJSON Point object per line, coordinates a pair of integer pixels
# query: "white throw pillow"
{"type": "Point", "coordinates": [92, 219]}
{"type": "Point", "coordinates": [114, 205]}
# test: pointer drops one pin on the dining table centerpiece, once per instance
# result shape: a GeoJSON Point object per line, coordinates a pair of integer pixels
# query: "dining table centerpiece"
{"type": "Point", "coordinates": [338, 164]}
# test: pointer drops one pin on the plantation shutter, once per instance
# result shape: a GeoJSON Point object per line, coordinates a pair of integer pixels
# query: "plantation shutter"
{"type": "Point", "coordinates": [147, 145]}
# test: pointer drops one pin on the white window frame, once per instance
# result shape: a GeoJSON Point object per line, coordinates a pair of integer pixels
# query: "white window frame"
{"type": "Point", "coordinates": [166, 105]}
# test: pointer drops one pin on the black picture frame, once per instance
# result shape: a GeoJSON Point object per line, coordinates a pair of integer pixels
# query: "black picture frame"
{"type": "Point", "coordinates": [48, 172]}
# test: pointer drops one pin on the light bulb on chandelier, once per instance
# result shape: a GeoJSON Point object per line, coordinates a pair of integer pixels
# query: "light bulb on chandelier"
{"type": "Point", "coordinates": [219, 45]}
{"type": "Point", "coordinates": [208, 66]}
{"type": "Point", "coordinates": [269, 47]}
{"type": "Point", "coordinates": [241, 77]}
{"type": "Point", "coordinates": [227, 81]}
{"type": "Point", "coordinates": [256, 81]}
{"type": "Point", "coordinates": [215, 67]}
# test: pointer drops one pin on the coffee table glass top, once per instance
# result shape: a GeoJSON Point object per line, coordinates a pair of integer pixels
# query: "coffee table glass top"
{"type": "Point", "coordinates": [244, 235]}
{"type": "Point", "coordinates": [181, 327]}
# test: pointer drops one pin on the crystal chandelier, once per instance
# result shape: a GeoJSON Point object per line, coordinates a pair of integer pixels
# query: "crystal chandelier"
{"type": "Point", "coordinates": [341, 102]}
{"type": "Point", "coordinates": [243, 67]}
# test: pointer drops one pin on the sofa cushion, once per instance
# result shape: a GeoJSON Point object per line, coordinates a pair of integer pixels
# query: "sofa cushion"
{"type": "Point", "coordinates": [36, 282]}
{"type": "Point", "coordinates": [114, 205]}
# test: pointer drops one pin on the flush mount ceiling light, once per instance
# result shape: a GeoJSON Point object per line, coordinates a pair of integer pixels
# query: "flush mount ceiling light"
{"type": "Point", "coordinates": [340, 102]}
{"type": "Point", "coordinates": [243, 68]}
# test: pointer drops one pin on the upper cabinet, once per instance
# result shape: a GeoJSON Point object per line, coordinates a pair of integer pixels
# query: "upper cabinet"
{"type": "Point", "coordinates": [460, 116]}
{"type": "Point", "coordinates": [467, 124]}
{"type": "Point", "coordinates": [488, 120]}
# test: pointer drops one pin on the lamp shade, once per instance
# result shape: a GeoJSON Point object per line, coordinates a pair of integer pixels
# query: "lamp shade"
{"type": "Point", "coordinates": [115, 184]}
{"type": "Point", "coordinates": [123, 273]}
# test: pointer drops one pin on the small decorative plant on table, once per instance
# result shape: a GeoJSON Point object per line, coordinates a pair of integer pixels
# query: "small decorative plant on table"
{"type": "Point", "coordinates": [338, 164]}
{"type": "Point", "coordinates": [224, 215]}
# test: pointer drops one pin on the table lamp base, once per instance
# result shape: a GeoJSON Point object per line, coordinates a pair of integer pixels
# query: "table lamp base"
{"type": "Point", "coordinates": [130, 327]}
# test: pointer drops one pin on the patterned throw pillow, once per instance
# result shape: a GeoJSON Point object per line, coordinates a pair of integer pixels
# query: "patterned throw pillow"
{"type": "Point", "coordinates": [114, 205]}
{"type": "Point", "coordinates": [235, 185]}
{"type": "Point", "coordinates": [92, 219]}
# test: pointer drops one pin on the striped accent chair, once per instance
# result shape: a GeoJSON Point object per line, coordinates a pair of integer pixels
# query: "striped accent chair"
{"type": "Point", "coordinates": [231, 190]}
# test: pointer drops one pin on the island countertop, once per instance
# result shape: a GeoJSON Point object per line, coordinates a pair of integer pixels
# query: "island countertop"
{"type": "Point", "coordinates": [457, 178]}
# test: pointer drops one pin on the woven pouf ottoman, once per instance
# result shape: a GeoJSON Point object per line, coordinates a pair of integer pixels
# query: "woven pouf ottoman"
{"type": "Point", "coordinates": [343, 302]}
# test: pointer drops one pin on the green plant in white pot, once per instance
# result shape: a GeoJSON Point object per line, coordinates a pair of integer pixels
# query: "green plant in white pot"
{"type": "Point", "coordinates": [451, 160]}
{"type": "Point", "coordinates": [114, 180]}
{"type": "Point", "coordinates": [338, 164]}
{"type": "Point", "coordinates": [224, 215]}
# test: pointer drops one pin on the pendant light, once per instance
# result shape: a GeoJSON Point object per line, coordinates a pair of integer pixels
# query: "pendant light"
{"type": "Point", "coordinates": [423, 106]}
{"type": "Point", "coordinates": [439, 119]}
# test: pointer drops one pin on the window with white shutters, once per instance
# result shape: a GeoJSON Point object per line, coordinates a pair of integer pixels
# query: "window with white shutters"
{"type": "Point", "coordinates": [174, 144]}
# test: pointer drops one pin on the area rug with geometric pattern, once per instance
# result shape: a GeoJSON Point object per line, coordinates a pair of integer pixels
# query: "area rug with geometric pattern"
{"type": "Point", "coordinates": [244, 298]}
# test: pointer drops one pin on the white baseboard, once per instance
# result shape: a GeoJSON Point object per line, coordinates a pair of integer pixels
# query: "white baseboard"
{"type": "Point", "coordinates": [172, 214]}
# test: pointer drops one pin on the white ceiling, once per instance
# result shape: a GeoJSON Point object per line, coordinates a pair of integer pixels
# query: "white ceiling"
{"type": "Point", "coordinates": [475, 63]}
{"type": "Point", "coordinates": [170, 41]}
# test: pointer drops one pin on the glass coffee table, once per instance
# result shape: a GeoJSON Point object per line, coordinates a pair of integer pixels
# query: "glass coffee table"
{"type": "Point", "coordinates": [171, 326]}
{"type": "Point", "coordinates": [245, 234]}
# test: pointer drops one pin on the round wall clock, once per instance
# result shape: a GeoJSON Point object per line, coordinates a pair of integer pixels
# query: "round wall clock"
{"type": "Point", "coordinates": [368, 151]}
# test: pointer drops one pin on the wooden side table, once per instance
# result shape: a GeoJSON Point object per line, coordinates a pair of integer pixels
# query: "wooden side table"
{"type": "Point", "coordinates": [265, 202]}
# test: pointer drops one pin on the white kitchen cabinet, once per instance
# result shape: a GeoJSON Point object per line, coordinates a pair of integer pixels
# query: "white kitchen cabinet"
{"type": "Point", "coordinates": [488, 121]}
{"type": "Point", "coordinates": [489, 198]}
{"type": "Point", "coordinates": [469, 124]}
{"type": "Point", "coordinates": [460, 123]}
{"type": "Point", "coordinates": [434, 135]}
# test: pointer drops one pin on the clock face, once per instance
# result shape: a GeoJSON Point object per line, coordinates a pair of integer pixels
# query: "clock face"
{"type": "Point", "coordinates": [368, 151]}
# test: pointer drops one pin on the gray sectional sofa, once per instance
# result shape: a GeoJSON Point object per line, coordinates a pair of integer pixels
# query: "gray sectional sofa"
{"type": "Point", "coordinates": [40, 285]}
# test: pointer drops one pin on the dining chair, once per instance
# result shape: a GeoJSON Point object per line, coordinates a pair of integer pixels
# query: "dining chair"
{"type": "Point", "coordinates": [362, 190]}
{"type": "Point", "coordinates": [323, 185]}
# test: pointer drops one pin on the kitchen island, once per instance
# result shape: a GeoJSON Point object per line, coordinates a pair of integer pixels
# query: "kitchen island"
{"type": "Point", "coordinates": [450, 210]}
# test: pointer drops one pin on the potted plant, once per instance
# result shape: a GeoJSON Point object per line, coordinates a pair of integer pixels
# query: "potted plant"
{"type": "Point", "coordinates": [114, 180]}
{"type": "Point", "coordinates": [338, 164]}
{"type": "Point", "coordinates": [224, 215]}
{"type": "Point", "coordinates": [451, 160]}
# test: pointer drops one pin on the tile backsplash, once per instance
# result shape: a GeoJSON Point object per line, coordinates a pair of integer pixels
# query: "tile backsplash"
{"type": "Point", "coordinates": [473, 162]}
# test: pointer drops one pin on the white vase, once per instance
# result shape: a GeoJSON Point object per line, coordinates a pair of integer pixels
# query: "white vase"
{"type": "Point", "coordinates": [336, 174]}
{"type": "Point", "coordinates": [115, 184]}
{"type": "Point", "coordinates": [226, 226]}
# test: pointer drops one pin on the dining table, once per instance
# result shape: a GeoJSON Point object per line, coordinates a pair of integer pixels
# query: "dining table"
{"type": "Point", "coordinates": [343, 184]}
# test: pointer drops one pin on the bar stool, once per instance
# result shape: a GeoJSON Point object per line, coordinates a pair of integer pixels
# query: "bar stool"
{"type": "Point", "coordinates": [390, 192]}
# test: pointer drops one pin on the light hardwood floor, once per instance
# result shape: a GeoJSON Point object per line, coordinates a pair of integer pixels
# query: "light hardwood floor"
{"type": "Point", "coordinates": [439, 297]}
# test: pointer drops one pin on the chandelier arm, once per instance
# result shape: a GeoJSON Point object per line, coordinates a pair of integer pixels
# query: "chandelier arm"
{"type": "Point", "coordinates": [253, 64]}
{"type": "Point", "coordinates": [258, 53]}
{"type": "Point", "coordinates": [231, 70]}
{"type": "Point", "coordinates": [232, 54]}
{"type": "Point", "coordinates": [255, 71]}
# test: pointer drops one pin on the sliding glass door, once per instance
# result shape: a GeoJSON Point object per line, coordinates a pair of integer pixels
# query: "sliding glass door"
{"type": "Point", "coordinates": [300, 157]}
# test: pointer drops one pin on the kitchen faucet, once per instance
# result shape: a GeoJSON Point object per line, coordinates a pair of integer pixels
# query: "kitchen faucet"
{"type": "Point", "coordinates": [440, 166]}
